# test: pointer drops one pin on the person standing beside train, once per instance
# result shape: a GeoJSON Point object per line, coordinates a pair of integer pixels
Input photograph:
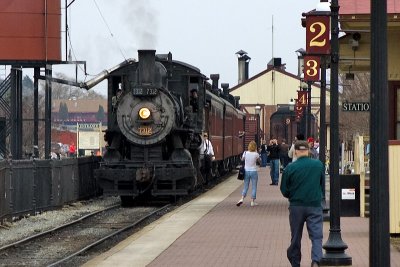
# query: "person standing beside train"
{"type": "Point", "coordinates": [250, 158]}
{"type": "Point", "coordinates": [274, 151]}
{"type": "Point", "coordinates": [208, 156]}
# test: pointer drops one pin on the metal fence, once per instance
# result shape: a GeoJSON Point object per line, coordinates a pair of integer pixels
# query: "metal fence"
{"type": "Point", "coordinates": [33, 186]}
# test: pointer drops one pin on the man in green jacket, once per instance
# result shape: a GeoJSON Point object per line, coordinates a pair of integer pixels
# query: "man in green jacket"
{"type": "Point", "coordinates": [302, 183]}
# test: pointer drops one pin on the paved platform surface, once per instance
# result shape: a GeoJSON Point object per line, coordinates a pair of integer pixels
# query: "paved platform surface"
{"type": "Point", "coordinates": [212, 231]}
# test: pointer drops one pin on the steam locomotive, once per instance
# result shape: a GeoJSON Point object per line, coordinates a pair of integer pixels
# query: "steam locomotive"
{"type": "Point", "coordinates": [158, 110]}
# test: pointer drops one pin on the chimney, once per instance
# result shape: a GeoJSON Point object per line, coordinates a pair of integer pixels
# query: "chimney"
{"type": "Point", "coordinates": [225, 88]}
{"type": "Point", "coordinates": [243, 66]}
{"type": "Point", "coordinates": [276, 63]}
{"type": "Point", "coordinates": [215, 79]}
{"type": "Point", "coordinates": [237, 98]}
{"type": "Point", "coordinates": [146, 66]}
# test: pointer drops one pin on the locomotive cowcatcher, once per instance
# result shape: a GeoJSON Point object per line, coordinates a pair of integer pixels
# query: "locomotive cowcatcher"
{"type": "Point", "coordinates": [158, 110]}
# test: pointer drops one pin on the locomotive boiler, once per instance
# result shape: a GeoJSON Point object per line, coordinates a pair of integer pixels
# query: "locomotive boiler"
{"type": "Point", "coordinates": [158, 109]}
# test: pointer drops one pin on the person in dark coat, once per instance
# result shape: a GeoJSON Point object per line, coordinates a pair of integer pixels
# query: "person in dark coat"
{"type": "Point", "coordinates": [302, 183]}
{"type": "Point", "coordinates": [274, 151]}
{"type": "Point", "coordinates": [263, 154]}
{"type": "Point", "coordinates": [284, 158]}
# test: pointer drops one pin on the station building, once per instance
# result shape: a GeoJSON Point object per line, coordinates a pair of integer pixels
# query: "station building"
{"type": "Point", "coordinates": [274, 91]}
{"type": "Point", "coordinates": [355, 51]}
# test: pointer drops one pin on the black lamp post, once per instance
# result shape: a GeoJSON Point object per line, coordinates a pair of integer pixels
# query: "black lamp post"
{"type": "Point", "coordinates": [335, 246]}
{"type": "Point", "coordinates": [291, 109]}
{"type": "Point", "coordinates": [257, 110]}
{"type": "Point", "coordinates": [322, 131]}
{"type": "Point", "coordinates": [309, 128]}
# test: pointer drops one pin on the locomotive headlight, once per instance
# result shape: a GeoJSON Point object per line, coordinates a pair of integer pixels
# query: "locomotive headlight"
{"type": "Point", "coordinates": [144, 113]}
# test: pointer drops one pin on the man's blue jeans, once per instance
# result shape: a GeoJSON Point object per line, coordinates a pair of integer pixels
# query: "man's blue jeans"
{"type": "Point", "coordinates": [274, 164]}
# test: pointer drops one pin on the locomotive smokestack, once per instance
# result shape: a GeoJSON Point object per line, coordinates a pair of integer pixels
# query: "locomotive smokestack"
{"type": "Point", "coordinates": [225, 88]}
{"type": "Point", "coordinates": [215, 79]}
{"type": "Point", "coordinates": [146, 66]}
{"type": "Point", "coordinates": [243, 66]}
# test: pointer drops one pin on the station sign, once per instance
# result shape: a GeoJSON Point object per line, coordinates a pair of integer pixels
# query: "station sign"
{"type": "Point", "coordinates": [356, 106]}
{"type": "Point", "coordinates": [89, 137]}
{"type": "Point", "coordinates": [89, 126]}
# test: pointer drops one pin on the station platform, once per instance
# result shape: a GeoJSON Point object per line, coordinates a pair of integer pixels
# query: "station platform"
{"type": "Point", "coordinates": [212, 231]}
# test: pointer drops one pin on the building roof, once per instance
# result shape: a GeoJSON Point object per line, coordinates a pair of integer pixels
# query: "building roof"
{"type": "Point", "coordinates": [80, 105]}
{"type": "Point", "coordinates": [261, 74]}
{"type": "Point", "coordinates": [352, 7]}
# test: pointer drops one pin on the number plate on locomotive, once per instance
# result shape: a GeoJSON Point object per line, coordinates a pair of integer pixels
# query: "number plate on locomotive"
{"type": "Point", "coordinates": [139, 91]}
{"type": "Point", "coordinates": [145, 130]}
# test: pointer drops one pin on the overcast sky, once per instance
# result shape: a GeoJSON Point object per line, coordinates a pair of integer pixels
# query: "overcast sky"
{"type": "Point", "coordinates": [204, 33]}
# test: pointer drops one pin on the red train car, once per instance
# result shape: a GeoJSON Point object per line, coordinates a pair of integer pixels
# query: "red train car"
{"type": "Point", "coordinates": [225, 125]}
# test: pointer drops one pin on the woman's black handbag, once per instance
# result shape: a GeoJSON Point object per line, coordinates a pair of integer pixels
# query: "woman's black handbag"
{"type": "Point", "coordinates": [241, 173]}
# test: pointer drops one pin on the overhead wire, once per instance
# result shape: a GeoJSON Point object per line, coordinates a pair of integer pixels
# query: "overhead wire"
{"type": "Point", "coordinates": [72, 48]}
{"type": "Point", "coordinates": [108, 27]}
{"type": "Point", "coordinates": [109, 30]}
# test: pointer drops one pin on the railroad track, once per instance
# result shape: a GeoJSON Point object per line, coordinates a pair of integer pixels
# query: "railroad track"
{"type": "Point", "coordinates": [58, 246]}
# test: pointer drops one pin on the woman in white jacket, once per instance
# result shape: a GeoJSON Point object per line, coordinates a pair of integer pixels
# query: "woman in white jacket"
{"type": "Point", "coordinates": [250, 158]}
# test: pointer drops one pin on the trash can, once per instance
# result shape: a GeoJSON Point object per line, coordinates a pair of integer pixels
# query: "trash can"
{"type": "Point", "coordinates": [350, 195]}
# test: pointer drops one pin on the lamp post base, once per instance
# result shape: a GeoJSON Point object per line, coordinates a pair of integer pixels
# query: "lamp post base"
{"type": "Point", "coordinates": [335, 255]}
{"type": "Point", "coordinates": [332, 259]}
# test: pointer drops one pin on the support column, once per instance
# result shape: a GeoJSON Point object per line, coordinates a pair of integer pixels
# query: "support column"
{"type": "Point", "coordinates": [379, 239]}
{"type": "Point", "coordinates": [47, 113]}
{"type": "Point", "coordinates": [16, 113]}
{"type": "Point", "coordinates": [36, 112]}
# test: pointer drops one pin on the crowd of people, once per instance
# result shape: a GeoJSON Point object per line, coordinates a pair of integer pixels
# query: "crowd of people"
{"type": "Point", "coordinates": [61, 150]}
{"type": "Point", "coordinates": [302, 184]}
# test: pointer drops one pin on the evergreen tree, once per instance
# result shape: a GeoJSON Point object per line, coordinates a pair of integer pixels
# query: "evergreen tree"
{"type": "Point", "coordinates": [63, 111]}
{"type": "Point", "coordinates": [27, 83]}
{"type": "Point", "coordinates": [100, 116]}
